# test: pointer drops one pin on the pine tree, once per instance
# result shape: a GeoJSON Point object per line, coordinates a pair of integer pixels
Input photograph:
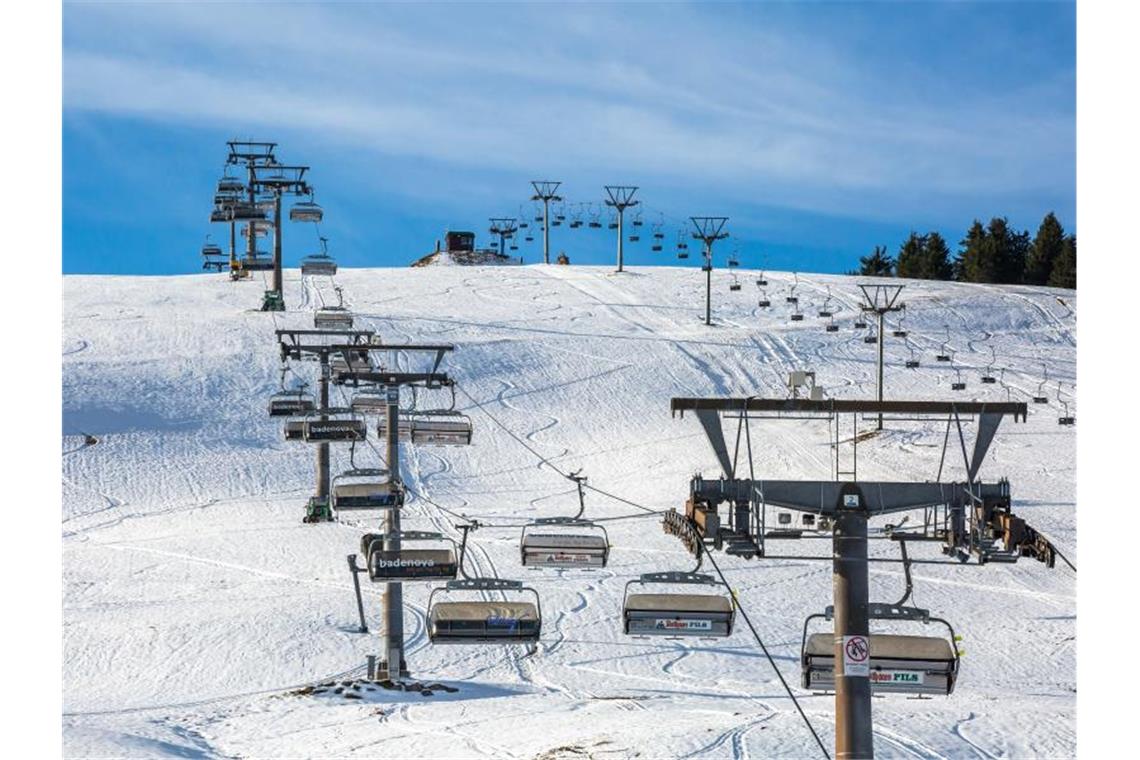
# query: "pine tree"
{"type": "Point", "coordinates": [877, 264]}
{"type": "Point", "coordinates": [1047, 247]}
{"type": "Point", "coordinates": [936, 258]}
{"type": "Point", "coordinates": [911, 254]}
{"type": "Point", "coordinates": [974, 262]}
{"type": "Point", "coordinates": [1064, 274]}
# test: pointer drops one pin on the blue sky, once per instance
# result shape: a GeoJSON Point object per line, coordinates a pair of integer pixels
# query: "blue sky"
{"type": "Point", "coordinates": [821, 130]}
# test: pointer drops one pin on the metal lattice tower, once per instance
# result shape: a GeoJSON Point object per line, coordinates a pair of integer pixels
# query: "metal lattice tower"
{"type": "Point", "coordinates": [621, 198]}
{"type": "Point", "coordinates": [505, 227]}
{"type": "Point", "coordinates": [709, 229]}
{"type": "Point", "coordinates": [545, 191]}
{"type": "Point", "coordinates": [879, 300]}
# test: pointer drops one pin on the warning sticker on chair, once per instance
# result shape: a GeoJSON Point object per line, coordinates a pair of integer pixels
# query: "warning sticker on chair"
{"type": "Point", "coordinates": [856, 656]}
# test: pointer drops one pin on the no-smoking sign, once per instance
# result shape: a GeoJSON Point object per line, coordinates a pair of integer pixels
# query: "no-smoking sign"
{"type": "Point", "coordinates": [856, 656]}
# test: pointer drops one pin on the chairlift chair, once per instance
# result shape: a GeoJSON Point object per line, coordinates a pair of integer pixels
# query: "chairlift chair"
{"type": "Point", "coordinates": [912, 362]}
{"type": "Point", "coordinates": [318, 264]}
{"type": "Point", "coordinates": [943, 354]}
{"type": "Point", "coordinates": [735, 284]}
{"type": "Point", "coordinates": [439, 563]}
{"type": "Point", "coordinates": [354, 362]}
{"type": "Point", "coordinates": [1065, 418]}
{"type": "Point", "coordinates": [584, 544]}
{"type": "Point", "coordinates": [211, 249]}
{"type": "Point", "coordinates": [762, 281]}
{"type": "Point", "coordinates": [229, 185]}
{"type": "Point", "coordinates": [1041, 398]}
{"type": "Point", "coordinates": [831, 326]}
{"type": "Point", "coordinates": [764, 301]}
{"type": "Point", "coordinates": [292, 403]}
{"type": "Point", "coordinates": [825, 311]}
{"type": "Point", "coordinates": [340, 427]}
{"type": "Point", "coordinates": [959, 384]}
{"type": "Point", "coordinates": [219, 215]}
{"type": "Point", "coordinates": [435, 427]}
{"type": "Point", "coordinates": [259, 262]}
{"type": "Point", "coordinates": [244, 212]}
{"type": "Point", "coordinates": [481, 621]}
{"type": "Point", "coordinates": [677, 614]}
{"type": "Point", "coordinates": [903, 664]}
{"type": "Point", "coordinates": [332, 318]}
{"type": "Point", "coordinates": [797, 316]}
{"type": "Point", "coordinates": [656, 247]}
{"type": "Point", "coordinates": [364, 489]}
{"type": "Point", "coordinates": [634, 238]}
{"type": "Point", "coordinates": [871, 339]}
{"type": "Point", "coordinates": [860, 323]}
{"type": "Point", "coordinates": [682, 254]}
{"type": "Point", "coordinates": [988, 374]}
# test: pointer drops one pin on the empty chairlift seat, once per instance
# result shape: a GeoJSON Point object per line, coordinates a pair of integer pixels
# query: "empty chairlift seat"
{"type": "Point", "coordinates": [291, 404]}
{"type": "Point", "coordinates": [564, 542]}
{"type": "Point", "coordinates": [677, 614]}
{"type": "Point", "coordinates": [365, 489]}
{"type": "Point", "coordinates": [913, 665]}
{"type": "Point", "coordinates": [481, 621]}
{"type": "Point", "coordinates": [318, 265]}
{"type": "Point", "coordinates": [306, 211]}
{"type": "Point", "coordinates": [257, 263]}
{"type": "Point", "coordinates": [417, 563]}
{"type": "Point", "coordinates": [336, 429]}
{"type": "Point", "coordinates": [333, 317]}
{"type": "Point", "coordinates": [430, 428]}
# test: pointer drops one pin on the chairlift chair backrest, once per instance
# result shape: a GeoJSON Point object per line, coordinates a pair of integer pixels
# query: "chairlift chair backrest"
{"type": "Point", "coordinates": [901, 664]}
{"type": "Point", "coordinates": [333, 317]}
{"type": "Point", "coordinates": [677, 614]}
{"type": "Point", "coordinates": [439, 563]}
{"type": "Point", "coordinates": [360, 489]}
{"type": "Point", "coordinates": [481, 621]}
{"type": "Point", "coordinates": [291, 404]}
{"type": "Point", "coordinates": [337, 428]}
{"type": "Point", "coordinates": [564, 542]}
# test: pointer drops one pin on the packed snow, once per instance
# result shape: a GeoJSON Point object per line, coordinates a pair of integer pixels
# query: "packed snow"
{"type": "Point", "coordinates": [198, 606]}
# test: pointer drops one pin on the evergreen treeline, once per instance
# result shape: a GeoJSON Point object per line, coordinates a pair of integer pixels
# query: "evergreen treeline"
{"type": "Point", "coordinates": [994, 253]}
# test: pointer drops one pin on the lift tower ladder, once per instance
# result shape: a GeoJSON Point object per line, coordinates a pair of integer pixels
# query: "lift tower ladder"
{"type": "Point", "coordinates": [394, 665]}
{"type": "Point", "coordinates": [977, 521]}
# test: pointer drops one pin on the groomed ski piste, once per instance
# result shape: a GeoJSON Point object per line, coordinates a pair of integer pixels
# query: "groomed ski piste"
{"type": "Point", "coordinates": [197, 604]}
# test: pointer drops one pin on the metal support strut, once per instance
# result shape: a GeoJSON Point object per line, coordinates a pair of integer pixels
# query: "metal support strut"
{"type": "Point", "coordinates": [853, 735]}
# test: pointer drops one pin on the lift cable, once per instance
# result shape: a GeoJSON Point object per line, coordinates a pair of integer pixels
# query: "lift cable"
{"type": "Point", "coordinates": [522, 442]}
{"type": "Point", "coordinates": [771, 661]}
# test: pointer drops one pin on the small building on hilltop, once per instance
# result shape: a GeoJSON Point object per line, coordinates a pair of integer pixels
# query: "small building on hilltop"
{"type": "Point", "coordinates": [459, 249]}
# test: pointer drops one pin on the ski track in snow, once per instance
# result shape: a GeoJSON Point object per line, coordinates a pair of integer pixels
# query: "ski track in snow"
{"type": "Point", "coordinates": [193, 594]}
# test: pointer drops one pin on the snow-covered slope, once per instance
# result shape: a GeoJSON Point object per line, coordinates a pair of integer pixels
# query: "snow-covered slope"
{"type": "Point", "coordinates": [196, 599]}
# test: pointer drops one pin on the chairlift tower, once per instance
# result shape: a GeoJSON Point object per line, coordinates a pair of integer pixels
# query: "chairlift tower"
{"type": "Point", "coordinates": [621, 198]}
{"type": "Point", "coordinates": [394, 665]}
{"type": "Point", "coordinates": [708, 230]}
{"type": "Point", "coordinates": [278, 180]}
{"type": "Point", "coordinates": [545, 191]}
{"type": "Point", "coordinates": [321, 345]}
{"type": "Point", "coordinates": [972, 520]}
{"type": "Point", "coordinates": [250, 154]}
{"type": "Point", "coordinates": [880, 300]}
{"type": "Point", "coordinates": [505, 227]}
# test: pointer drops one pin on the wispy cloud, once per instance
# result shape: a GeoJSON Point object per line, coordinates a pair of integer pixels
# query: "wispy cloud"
{"type": "Point", "coordinates": [667, 91]}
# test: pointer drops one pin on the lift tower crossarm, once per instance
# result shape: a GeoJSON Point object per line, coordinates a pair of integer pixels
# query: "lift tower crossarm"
{"type": "Point", "coordinates": [840, 406]}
